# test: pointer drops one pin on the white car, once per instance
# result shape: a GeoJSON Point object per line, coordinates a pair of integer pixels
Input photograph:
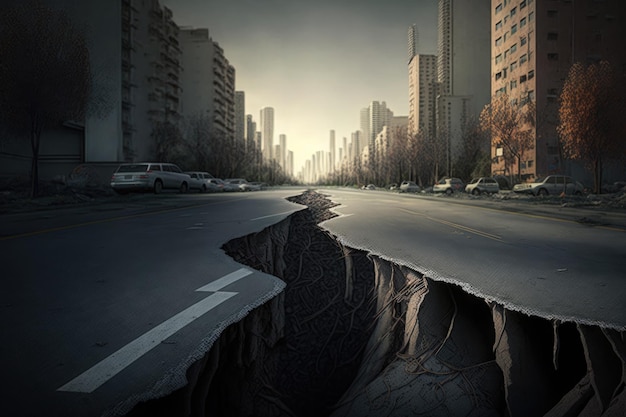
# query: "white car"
{"type": "Point", "coordinates": [409, 187]}
{"type": "Point", "coordinates": [234, 184]}
{"type": "Point", "coordinates": [149, 176]}
{"type": "Point", "coordinates": [482, 185]}
{"type": "Point", "coordinates": [201, 181]}
{"type": "Point", "coordinates": [551, 185]}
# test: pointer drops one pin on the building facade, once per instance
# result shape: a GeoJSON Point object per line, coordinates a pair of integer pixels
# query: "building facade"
{"type": "Point", "coordinates": [463, 68]}
{"type": "Point", "coordinates": [534, 44]}
{"type": "Point", "coordinates": [422, 94]}
{"type": "Point", "coordinates": [267, 132]}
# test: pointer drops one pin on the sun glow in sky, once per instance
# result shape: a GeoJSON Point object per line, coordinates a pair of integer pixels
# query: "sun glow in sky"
{"type": "Point", "coordinates": [317, 63]}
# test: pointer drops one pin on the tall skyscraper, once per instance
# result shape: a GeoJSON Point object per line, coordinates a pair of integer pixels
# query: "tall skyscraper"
{"type": "Point", "coordinates": [267, 132]}
{"type": "Point", "coordinates": [422, 94]}
{"type": "Point", "coordinates": [534, 45]}
{"type": "Point", "coordinates": [282, 156]}
{"type": "Point", "coordinates": [250, 131]}
{"type": "Point", "coordinates": [333, 151]}
{"type": "Point", "coordinates": [240, 116]}
{"type": "Point", "coordinates": [463, 67]}
{"type": "Point", "coordinates": [413, 40]}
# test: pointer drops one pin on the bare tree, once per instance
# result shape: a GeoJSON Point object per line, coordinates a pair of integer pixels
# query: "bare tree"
{"type": "Point", "coordinates": [169, 143]}
{"type": "Point", "coordinates": [510, 126]}
{"type": "Point", "coordinates": [45, 73]}
{"type": "Point", "coordinates": [591, 116]}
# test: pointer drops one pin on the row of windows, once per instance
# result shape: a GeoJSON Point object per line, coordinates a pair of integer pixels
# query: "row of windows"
{"type": "Point", "coordinates": [522, 5]}
{"type": "Point", "coordinates": [523, 21]}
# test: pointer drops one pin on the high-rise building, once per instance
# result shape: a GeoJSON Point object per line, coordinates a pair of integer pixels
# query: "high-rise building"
{"type": "Point", "coordinates": [413, 42]}
{"type": "Point", "coordinates": [463, 66]}
{"type": "Point", "coordinates": [208, 82]}
{"type": "Point", "coordinates": [422, 94]}
{"type": "Point", "coordinates": [267, 132]}
{"type": "Point", "coordinates": [333, 151]}
{"type": "Point", "coordinates": [240, 116]}
{"type": "Point", "coordinates": [282, 155]}
{"type": "Point", "coordinates": [378, 117]}
{"type": "Point", "coordinates": [534, 45]}
{"type": "Point", "coordinates": [250, 131]}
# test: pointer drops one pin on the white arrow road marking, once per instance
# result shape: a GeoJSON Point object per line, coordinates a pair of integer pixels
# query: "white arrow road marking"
{"type": "Point", "coordinates": [106, 369]}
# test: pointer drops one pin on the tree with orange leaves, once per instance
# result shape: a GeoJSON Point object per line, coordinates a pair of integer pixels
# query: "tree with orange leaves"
{"type": "Point", "coordinates": [592, 110]}
{"type": "Point", "coordinates": [510, 126]}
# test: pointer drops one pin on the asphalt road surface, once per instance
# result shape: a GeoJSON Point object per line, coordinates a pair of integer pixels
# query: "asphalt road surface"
{"type": "Point", "coordinates": [543, 262]}
{"type": "Point", "coordinates": [103, 305]}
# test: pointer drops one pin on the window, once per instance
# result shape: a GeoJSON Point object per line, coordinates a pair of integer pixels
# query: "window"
{"type": "Point", "coordinates": [498, 75]}
{"type": "Point", "coordinates": [531, 95]}
{"type": "Point", "coordinates": [523, 59]}
{"type": "Point", "coordinates": [498, 8]}
{"type": "Point", "coordinates": [513, 29]}
{"type": "Point", "coordinates": [513, 11]}
{"type": "Point", "coordinates": [522, 41]}
{"type": "Point", "coordinates": [499, 41]}
{"type": "Point", "coordinates": [553, 56]}
{"type": "Point", "coordinates": [498, 58]}
{"type": "Point", "coordinates": [553, 36]}
{"type": "Point", "coordinates": [514, 48]}
{"type": "Point", "coordinates": [529, 164]}
{"type": "Point", "coordinates": [522, 4]}
{"type": "Point", "coordinates": [531, 74]}
{"type": "Point", "coordinates": [522, 22]}
{"type": "Point", "coordinates": [506, 54]}
{"type": "Point", "coordinates": [513, 66]}
{"type": "Point", "coordinates": [499, 25]}
{"type": "Point", "coordinates": [522, 79]}
{"type": "Point", "coordinates": [531, 16]}
{"type": "Point", "coordinates": [513, 84]}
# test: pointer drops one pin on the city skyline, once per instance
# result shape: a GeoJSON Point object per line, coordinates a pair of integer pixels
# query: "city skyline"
{"type": "Point", "coordinates": [317, 64]}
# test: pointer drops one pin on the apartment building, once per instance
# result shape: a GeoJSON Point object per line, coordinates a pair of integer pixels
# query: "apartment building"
{"type": "Point", "coordinates": [422, 94]}
{"type": "Point", "coordinates": [208, 81]}
{"type": "Point", "coordinates": [463, 68]}
{"type": "Point", "coordinates": [267, 132]}
{"type": "Point", "coordinates": [534, 44]}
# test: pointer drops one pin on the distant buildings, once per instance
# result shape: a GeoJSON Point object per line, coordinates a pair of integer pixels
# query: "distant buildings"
{"type": "Point", "coordinates": [534, 45]}
{"type": "Point", "coordinates": [422, 94]}
{"type": "Point", "coordinates": [267, 132]}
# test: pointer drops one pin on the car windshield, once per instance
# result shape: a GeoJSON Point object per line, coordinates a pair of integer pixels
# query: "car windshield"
{"type": "Point", "coordinates": [474, 181]}
{"type": "Point", "coordinates": [541, 179]}
{"type": "Point", "coordinates": [133, 168]}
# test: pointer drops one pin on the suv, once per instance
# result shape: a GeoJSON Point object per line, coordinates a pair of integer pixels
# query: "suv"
{"type": "Point", "coordinates": [448, 185]}
{"type": "Point", "coordinates": [201, 181]}
{"type": "Point", "coordinates": [481, 185]}
{"type": "Point", "coordinates": [552, 184]}
{"type": "Point", "coordinates": [149, 176]}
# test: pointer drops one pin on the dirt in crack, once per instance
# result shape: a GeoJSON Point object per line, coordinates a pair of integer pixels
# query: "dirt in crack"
{"type": "Point", "coordinates": [329, 309]}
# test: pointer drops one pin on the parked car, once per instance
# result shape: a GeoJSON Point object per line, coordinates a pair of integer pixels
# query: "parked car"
{"type": "Point", "coordinates": [393, 187]}
{"type": "Point", "coordinates": [217, 183]}
{"type": "Point", "coordinates": [369, 187]}
{"type": "Point", "coordinates": [234, 184]}
{"type": "Point", "coordinates": [487, 185]}
{"type": "Point", "coordinates": [409, 187]}
{"type": "Point", "coordinates": [551, 185]}
{"type": "Point", "coordinates": [448, 185]}
{"type": "Point", "coordinates": [201, 181]}
{"type": "Point", "coordinates": [149, 176]}
{"type": "Point", "coordinates": [250, 186]}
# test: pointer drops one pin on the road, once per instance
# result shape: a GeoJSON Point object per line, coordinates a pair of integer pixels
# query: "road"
{"type": "Point", "coordinates": [102, 304]}
{"type": "Point", "coordinates": [541, 262]}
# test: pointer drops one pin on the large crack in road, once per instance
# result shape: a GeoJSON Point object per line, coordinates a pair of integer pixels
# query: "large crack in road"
{"type": "Point", "coordinates": [356, 335]}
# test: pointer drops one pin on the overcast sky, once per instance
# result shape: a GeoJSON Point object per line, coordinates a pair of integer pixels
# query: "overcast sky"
{"type": "Point", "coordinates": [316, 62]}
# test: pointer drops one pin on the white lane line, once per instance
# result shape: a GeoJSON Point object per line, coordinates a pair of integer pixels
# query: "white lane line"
{"type": "Point", "coordinates": [106, 369]}
{"type": "Point", "coordinates": [273, 215]}
{"type": "Point", "coordinates": [220, 283]}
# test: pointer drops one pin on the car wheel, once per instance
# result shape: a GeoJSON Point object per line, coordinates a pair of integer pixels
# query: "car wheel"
{"type": "Point", "coordinates": [449, 191]}
{"type": "Point", "coordinates": [476, 191]}
{"type": "Point", "coordinates": [158, 187]}
{"type": "Point", "coordinates": [543, 192]}
{"type": "Point", "coordinates": [183, 188]}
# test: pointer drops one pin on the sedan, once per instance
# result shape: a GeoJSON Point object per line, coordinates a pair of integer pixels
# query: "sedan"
{"type": "Point", "coordinates": [551, 185]}
{"type": "Point", "coordinates": [486, 185]}
{"type": "Point", "coordinates": [409, 187]}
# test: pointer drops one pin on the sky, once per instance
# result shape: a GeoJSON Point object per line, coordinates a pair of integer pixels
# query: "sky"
{"type": "Point", "coordinates": [316, 62]}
